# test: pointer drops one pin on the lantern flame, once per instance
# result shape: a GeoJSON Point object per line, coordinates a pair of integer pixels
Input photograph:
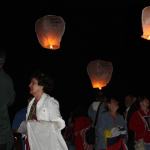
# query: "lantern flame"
{"type": "Point", "coordinates": [51, 47]}
{"type": "Point", "coordinates": [100, 88]}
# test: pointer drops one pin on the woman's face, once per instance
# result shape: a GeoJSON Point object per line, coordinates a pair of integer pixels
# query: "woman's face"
{"type": "Point", "coordinates": [114, 104]}
{"type": "Point", "coordinates": [34, 87]}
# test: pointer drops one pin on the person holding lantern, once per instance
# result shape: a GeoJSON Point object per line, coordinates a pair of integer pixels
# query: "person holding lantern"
{"type": "Point", "coordinates": [43, 107]}
{"type": "Point", "coordinates": [139, 125]}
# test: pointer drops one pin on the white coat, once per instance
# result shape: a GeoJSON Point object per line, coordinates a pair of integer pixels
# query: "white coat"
{"type": "Point", "coordinates": [47, 109]}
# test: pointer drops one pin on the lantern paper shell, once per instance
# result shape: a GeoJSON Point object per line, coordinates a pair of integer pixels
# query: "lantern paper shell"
{"type": "Point", "coordinates": [146, 23]}
{"type": "Point", "coordinates": [49, 30]}
{"type": "Point", "coordinates": [100, 73]}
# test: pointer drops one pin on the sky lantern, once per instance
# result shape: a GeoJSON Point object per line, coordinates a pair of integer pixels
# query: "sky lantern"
{"type": "Point", "coordinates": [49, 30]}
{"type": "Point", "coordinates": [146, 23]}
{"type": "Point", "coordinates": [100, 73]}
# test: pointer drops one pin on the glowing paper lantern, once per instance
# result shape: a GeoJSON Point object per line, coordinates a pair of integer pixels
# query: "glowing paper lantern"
{"type": "Point", "coordinates": [146, 23]}
{"type": "Point", "coordinates": [49, 30]}
{"type": "Point", "coordinates": [100, 73]}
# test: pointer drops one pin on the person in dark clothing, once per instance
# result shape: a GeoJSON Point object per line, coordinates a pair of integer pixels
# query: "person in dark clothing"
{"type": "Point", "coordinates": [131, 108]}
{"type": "Point", "coordinates": [7, 98]}
{"type": "Point", "coordinates": [19, 117]}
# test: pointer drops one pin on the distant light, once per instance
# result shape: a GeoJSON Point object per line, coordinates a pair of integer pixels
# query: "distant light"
{"type": "Point", "coordinates": [100, 72]}
{"type": "Point", "coordinates": [100, 88]}
{"type": "Point", "coordinates": [51, 47]}
{"type": "Point", "coordinates": [146, 23]}
{"type": "Point", "coordinates": [49, 30]}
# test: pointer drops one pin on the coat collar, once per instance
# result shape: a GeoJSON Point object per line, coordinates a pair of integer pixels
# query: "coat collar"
{"type": "Point", "coordinates": [40, 102]}
{"type": "Point", "coordinates": [143, 113]}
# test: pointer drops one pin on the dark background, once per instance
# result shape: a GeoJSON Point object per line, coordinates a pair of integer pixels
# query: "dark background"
{"type": "Point", "coordinates": [107, 31]}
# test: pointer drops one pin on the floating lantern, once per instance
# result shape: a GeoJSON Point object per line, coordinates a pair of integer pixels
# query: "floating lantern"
{"type": "Point", "coordinates": [49, 30]}
{"type": "Point", "coordinates": [100, 73]}
{"type": "Point", "coordinates": [146, 23]}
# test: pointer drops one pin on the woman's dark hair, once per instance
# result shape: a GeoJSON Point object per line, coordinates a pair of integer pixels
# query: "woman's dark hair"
{"type": "Point", "coordinates": [43, 80]}
{"type": "Point", "coordinates": [2, 57]}
{"type": "Point", "coordinates": [79, 111]}
{"type": "Point", "coordinates": [140, 99]}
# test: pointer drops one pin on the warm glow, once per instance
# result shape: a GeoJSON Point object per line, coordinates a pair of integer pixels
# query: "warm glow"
{"type": "Point", "coordinates": [100, 73]}
{"type": "Point", "coordinates": [49, 30]}
{"type": "Point", "coordinates": [51, 47]}
{"type": "Point", "coordinates": [146, 23]}
{"type": "Point", "coordinates": [100, 88]}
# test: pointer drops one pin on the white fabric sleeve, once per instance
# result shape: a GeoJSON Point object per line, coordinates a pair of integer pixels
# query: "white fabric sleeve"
{"type": "Point", "coordinates": [55, 114]}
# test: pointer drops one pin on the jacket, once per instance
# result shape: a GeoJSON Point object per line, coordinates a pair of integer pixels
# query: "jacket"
{"type": "Point", "coordinates": [130, 112]}
{"type": "Point", "coordinates": [136, 124]}
{"type": "Point", "coordinates": [47, 109]}
{"type": "Point", "coordinates": [106, 122]}
{"type": "Point", "coordinates": [7, 98]}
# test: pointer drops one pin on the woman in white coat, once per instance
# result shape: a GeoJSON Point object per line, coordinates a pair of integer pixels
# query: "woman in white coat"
{"type": "Point", "coordinates": [43, 107]}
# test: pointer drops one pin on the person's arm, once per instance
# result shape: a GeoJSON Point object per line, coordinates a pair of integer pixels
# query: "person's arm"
{"type": "Point", "coordinates": [16, 123]}
{"type": "Point", "coordinates": [133, 124]}
{"type": "Point", "coordinates": [55, 113]}
{"type": "Point", "coordinates": [11, 92]}
{"type": "Point", "coordinates": [15, 131]}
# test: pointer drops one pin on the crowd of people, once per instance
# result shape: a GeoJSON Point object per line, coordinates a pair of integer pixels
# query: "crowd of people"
{"type": "Point", "coordinates": [132, 121]}
{"type": "Point", "coordinates": [112, 130]}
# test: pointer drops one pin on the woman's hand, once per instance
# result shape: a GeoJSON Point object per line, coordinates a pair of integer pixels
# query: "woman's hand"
{"type": "Point", "coordinates": [124, 141]}
{"type": "Point", "coordinates": [76, 133]}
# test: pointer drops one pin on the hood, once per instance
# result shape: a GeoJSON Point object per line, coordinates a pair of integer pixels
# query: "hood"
{"type": "Point", "coordinates": [95, 105]}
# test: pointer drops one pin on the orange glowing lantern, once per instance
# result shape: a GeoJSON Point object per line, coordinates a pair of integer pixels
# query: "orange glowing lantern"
{"type": "Point", "coordinates": [146, 23]}
{"type": "Point", "coordinates": [100, 73]}
{"type": "Point", "coordinates": [49, 30]}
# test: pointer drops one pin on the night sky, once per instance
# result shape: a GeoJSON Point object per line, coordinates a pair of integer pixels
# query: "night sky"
{"type": "Point", "coordinates": [109, 32]}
